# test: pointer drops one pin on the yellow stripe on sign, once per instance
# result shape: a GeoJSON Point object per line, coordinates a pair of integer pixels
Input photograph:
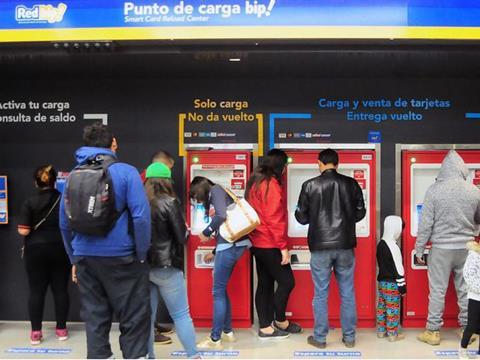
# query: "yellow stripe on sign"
{"type": "Point", "coordinates": [181, 134]}
{"type": "Point", "coordinates": [259, 151]}
{"type": "Point", "coordinates": [241, 32]}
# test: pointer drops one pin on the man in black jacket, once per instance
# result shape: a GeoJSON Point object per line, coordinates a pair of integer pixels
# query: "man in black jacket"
{"type": "Point", "coordinates": [331, 204]}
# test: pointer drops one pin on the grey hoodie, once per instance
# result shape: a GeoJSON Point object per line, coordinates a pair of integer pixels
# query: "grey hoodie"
{"type": "Point", "coordinates": [451, 209]}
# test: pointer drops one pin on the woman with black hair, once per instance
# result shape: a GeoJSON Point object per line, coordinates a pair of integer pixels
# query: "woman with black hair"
{"type": "Point", "coordinates": [204, 191]}
{"type": "Point", "coordinates": [272, 259]}
{"type": "Point", "coordinates": [46, 261]}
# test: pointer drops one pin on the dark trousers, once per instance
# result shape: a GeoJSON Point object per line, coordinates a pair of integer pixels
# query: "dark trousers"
{"type": "Point", "coordinates": [47, 265]}
{"type": "Point", "coordinates": [115, 286]}
{"type": "Point", "coordinates": [473, 326]}
{"type": "Point", "coordinates": [271, 304]}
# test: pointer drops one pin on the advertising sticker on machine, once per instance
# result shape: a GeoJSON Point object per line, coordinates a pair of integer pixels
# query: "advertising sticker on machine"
{"type": "Point", "coordinates": [3, 200]}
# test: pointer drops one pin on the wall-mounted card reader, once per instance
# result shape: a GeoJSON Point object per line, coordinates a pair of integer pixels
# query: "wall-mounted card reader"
{"type": "Point", "coordinates": [200, 259]}
{"type": "Point", "coordinates": [415, 264]}
{"type": "Point", "coordinates": [300, 259]}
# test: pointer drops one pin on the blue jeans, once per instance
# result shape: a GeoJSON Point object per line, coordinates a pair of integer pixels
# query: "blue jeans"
{"type": "Point", "coordinates": [170, 285]}
{"type": "Point", "coordinates": [342, 262]}
{"type": "Point", "coordinates": [225, 261]}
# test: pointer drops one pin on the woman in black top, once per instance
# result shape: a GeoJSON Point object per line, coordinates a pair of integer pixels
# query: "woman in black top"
{"type": "Point", "coordinates": [46, 261]}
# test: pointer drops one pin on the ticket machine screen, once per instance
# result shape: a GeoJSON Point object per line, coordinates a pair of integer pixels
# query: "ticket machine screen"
{"type": "Point", "coordinates": [299, 173]}
{"type": "Point", "coordinates": [424, 175]}
{"type": "Point", "coordinates": [232, 177]}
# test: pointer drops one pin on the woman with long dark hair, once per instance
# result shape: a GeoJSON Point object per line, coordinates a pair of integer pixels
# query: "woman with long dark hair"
{"type": "Point", "coordinates": [272, 259]}
{"type": "Point", "coordinates": [204, 191]}
{"type": "Point", "coordinates": [45, 258]}
{"type": "Point", "coordinates": [169, 235]}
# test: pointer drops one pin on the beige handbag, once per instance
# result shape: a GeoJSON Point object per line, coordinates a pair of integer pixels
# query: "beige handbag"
{"type": "Point", "coordinates": [241, 220]}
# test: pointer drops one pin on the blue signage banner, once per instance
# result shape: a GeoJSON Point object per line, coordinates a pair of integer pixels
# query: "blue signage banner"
{"type": "Point", "coordinates": [43, 20]}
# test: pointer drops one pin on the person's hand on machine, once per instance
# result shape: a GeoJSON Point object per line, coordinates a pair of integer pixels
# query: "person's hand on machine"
{"type": "Point", "coordinates": [285, 257]}
{"type": "Point", "coordinates": [208, 258]}
{"type": "Point", "coordinates": [421, 259]}
{"type": "Point", "coordinates": [203, 238]}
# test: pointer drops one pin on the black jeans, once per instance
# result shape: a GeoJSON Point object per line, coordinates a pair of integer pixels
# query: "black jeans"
{"type": "Point", "coordinates": [473, 326]}
{"type": "Point", "coordinates": [47, 265]}
{"type": "Point", "coordinates": [115, 286]}
{"type": "Point", "coordinates": [271, 304]}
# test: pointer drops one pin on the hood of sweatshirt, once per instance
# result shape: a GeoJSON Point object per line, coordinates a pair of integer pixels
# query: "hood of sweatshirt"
{"type": "Point", "coordinates": [453, 168]}
{"type": "Point", "coordinates": [86, 152]}
{"type": "Point", "coordinates": [392, 228]}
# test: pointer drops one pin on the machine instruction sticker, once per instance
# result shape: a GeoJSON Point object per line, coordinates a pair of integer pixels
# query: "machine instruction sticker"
{"type": "Point", "coordinates": [340, 354]}
{"type": "Point", "coordinates": [38, 351]}
{"type": "Point", "coordinates": [208, 354]}
{"type": "Point", "coordinates": [450, 353]}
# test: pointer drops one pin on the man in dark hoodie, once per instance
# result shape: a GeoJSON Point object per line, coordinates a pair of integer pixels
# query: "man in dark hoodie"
{"type": "Point", "coordinates": [450, 216]}
{"type": "Point", "coordinates": [112, 273]}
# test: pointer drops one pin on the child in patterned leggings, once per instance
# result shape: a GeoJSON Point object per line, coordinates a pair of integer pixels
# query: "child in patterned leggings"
{"type": "Point", "coordinates": [391, 281]}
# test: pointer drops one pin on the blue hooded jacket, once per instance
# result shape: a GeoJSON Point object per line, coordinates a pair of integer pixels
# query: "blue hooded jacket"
{"type": "Point", "coordinates": [129, 193]}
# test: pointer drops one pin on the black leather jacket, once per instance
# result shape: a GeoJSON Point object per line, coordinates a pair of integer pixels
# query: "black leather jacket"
{"type": "Point", "coordinates": [331, 204]}
{"type": "Point", "coordinates": [168, 233]}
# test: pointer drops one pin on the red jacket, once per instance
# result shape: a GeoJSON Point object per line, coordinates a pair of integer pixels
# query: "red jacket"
{"type": "Point", "coordinates": [270, 207]}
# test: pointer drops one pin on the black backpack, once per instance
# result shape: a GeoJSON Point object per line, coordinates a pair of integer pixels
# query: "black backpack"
{"type": "Point", "coordinates": [90, 197]}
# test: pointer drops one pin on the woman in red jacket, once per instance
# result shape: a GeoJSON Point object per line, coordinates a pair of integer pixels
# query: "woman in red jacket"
{"type": "Point", "coordinates": [272, 259]}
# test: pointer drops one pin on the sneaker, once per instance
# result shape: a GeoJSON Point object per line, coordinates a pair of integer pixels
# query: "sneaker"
{"type": "Point", "coordinates": [473, 338]}
{"type": "Point", "coordinates": [349, 343]}
{"type": "Point", "coordinates": [311, 341]}
{"type": "Point", "coordinates": [36, 337]}
{"type": "Point", "coordinates": [430, 337]}
{"type": "Point", "coordinates": [463, 353]}
{"type": "Point", "coordinates": [292, 328]}
{"type": "Point", "coordinates": [62, 334]}
{"type": "Point", "coordinates": [163, 329]}
{"type": "Point", "coordinates": [209, 344]}
{"type": "Point", "coordinates": [162, 339]}
{"type": "Point", "coordinates": [398, 337]}
{"type": "Point", "coordinates": [228, 337]}
{"type": "Point", "coordinates": [381, 334]}
{"type": "Point", "coordinates": [276, 334]}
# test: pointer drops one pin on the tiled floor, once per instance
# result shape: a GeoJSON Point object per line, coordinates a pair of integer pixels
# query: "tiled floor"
{"type": "Point", "coordinates": [14, 337]}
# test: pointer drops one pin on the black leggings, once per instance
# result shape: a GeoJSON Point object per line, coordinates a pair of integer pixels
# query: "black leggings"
{"type": "Point", "coordinates": [473, 325]}
{"type": "Point", "coordinates": [271, 304]}
{"type": "Point", "coordinates": [47, 264]}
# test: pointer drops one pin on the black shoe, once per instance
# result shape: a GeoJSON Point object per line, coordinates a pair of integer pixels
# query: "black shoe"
{"type": "Point", "coordinates": [277, 334]}
{"type": "Point", "coordinates": [321, 345]}
{"type": "Point", "coordinates": [162, 339]}
{"type": "Point", "coordinates": [349, 344]}
{"type": "Point", "coordinates": [292, 328]}
{"type": "Point", "coordinates": [163, 329]}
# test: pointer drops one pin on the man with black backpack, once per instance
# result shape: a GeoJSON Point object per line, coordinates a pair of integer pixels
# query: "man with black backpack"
{"type": "Point", "coordinates": [105, 224]}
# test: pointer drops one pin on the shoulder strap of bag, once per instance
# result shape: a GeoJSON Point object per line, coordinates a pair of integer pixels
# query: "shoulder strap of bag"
{"type": "Point", "coordinates": [48, 214]}
{"type": "Point", "coordinates": [232, 195]}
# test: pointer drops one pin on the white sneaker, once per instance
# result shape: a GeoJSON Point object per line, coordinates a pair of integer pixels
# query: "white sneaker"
{"type": "Point", "coordinates": [209, 344]}
{"type": "Point", "coordinates": [229, 337]}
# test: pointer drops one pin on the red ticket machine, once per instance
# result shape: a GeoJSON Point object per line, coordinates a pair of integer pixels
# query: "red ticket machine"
{"type": "Point", "coordinates": [419, 170]}
{"type": "Point", "coordinates": [230, 169]}
{"type": "Point", "coordinates": [361, 165]}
